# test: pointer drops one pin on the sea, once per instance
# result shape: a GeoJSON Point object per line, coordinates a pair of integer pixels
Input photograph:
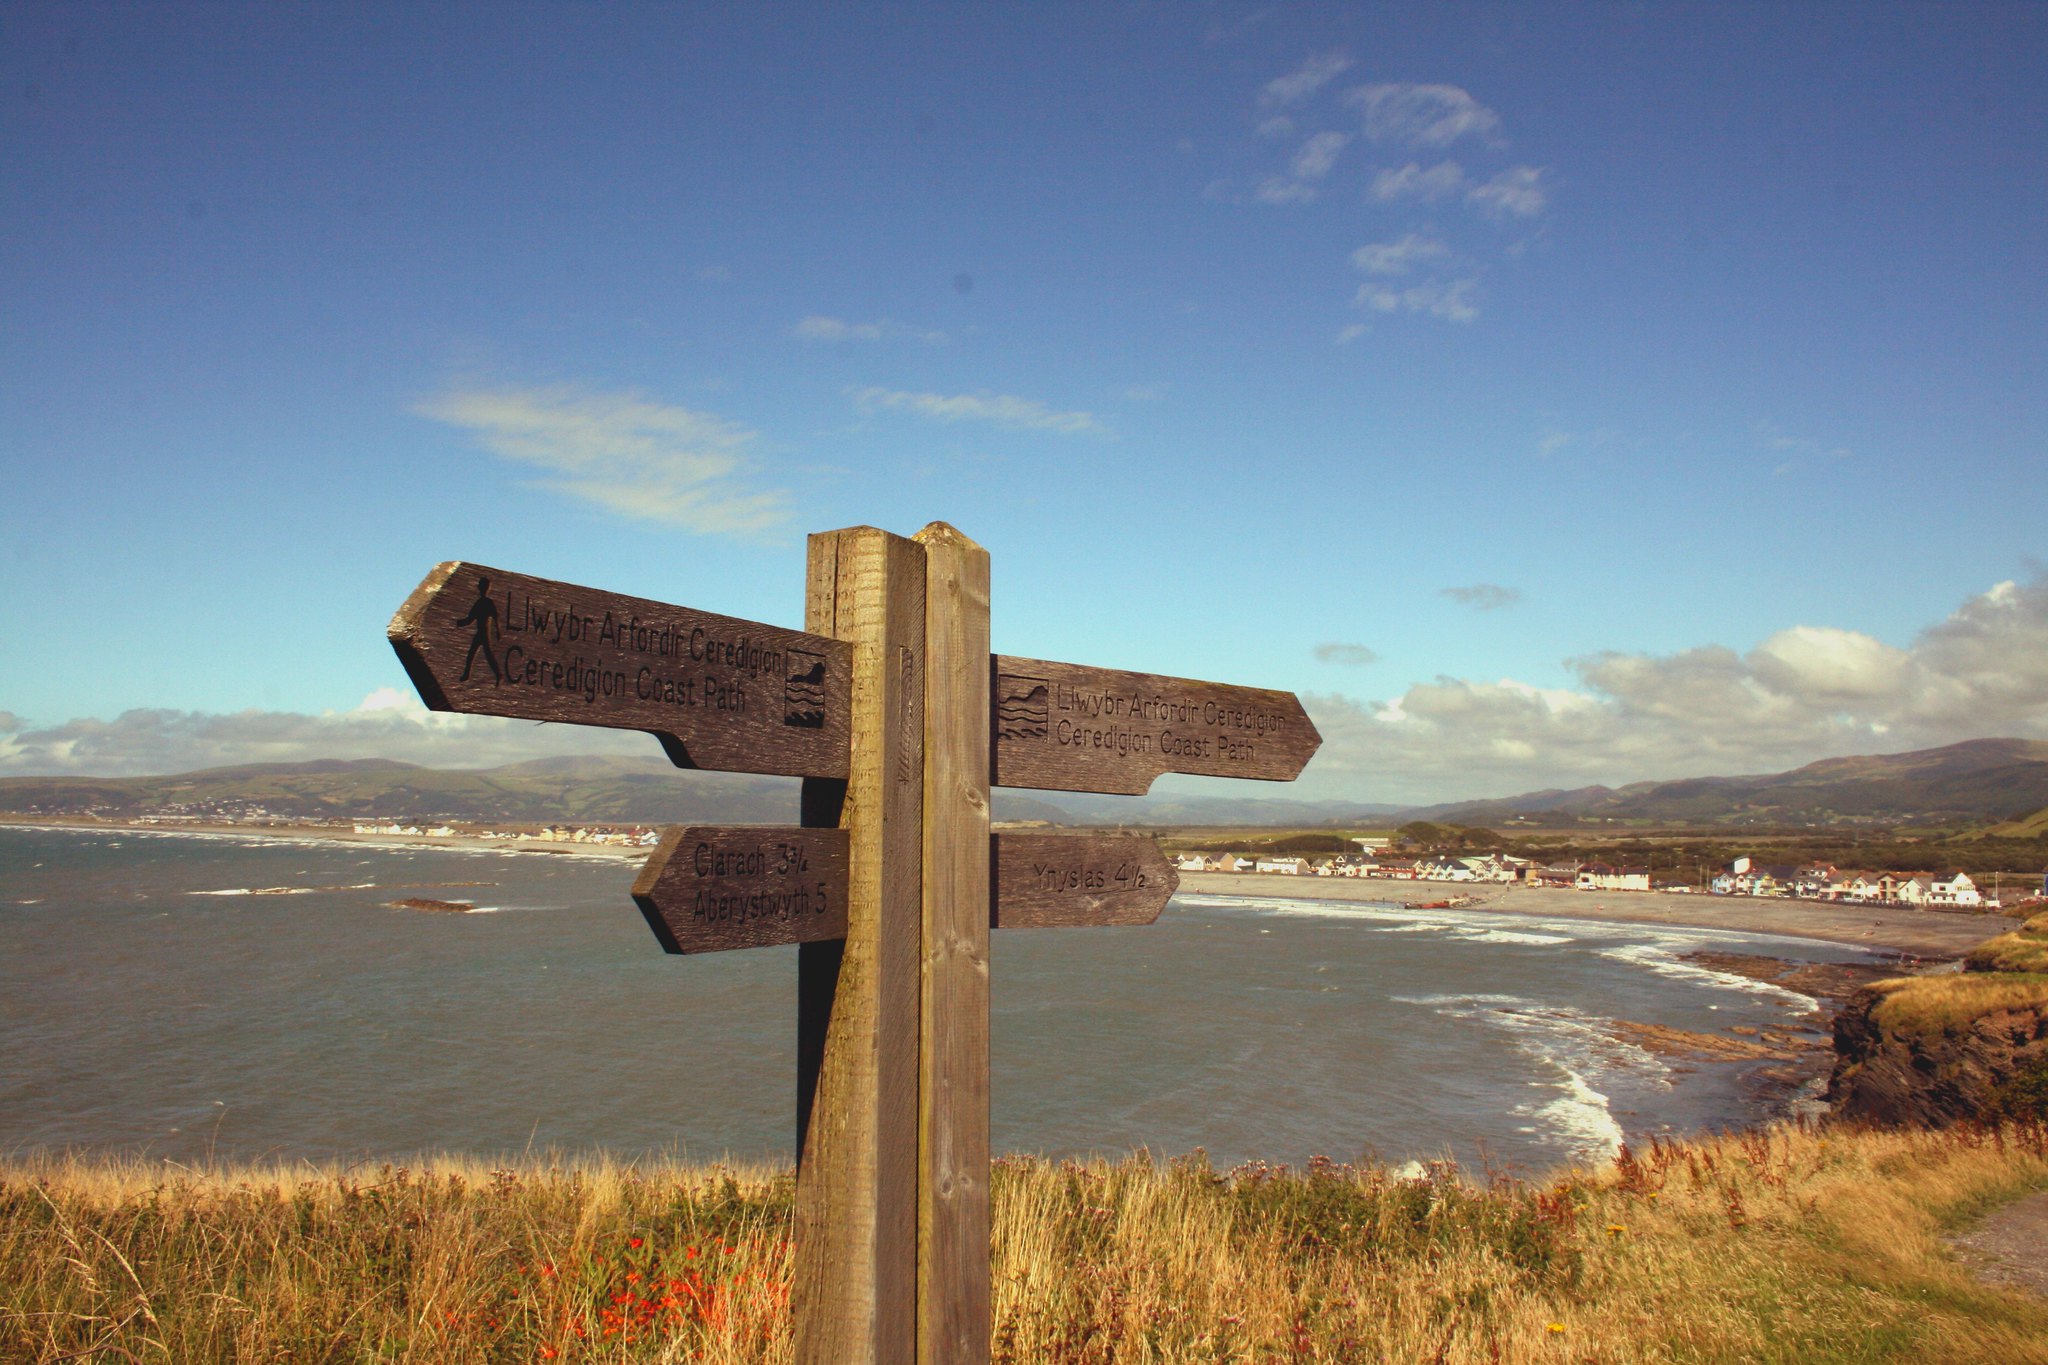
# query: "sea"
{"type": "Point", "coordinates": [192, 997]}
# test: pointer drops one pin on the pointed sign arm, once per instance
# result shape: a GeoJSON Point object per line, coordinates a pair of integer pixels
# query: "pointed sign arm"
{"type": "Point", "coordinates": [718, 692]}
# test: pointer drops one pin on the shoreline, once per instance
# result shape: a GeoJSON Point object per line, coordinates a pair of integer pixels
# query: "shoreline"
{"type": "Point", "coordinates": [1925, 934]}
{"type": "Point", "coordinates": [459, 843]}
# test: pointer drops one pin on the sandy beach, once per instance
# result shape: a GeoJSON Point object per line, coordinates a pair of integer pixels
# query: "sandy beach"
{"type": "Point", "coordinates": [1921, 933]}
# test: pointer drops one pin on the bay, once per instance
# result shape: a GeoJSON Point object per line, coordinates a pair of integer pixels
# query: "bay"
{"type": "Point", "coordinates": [151, 1002]}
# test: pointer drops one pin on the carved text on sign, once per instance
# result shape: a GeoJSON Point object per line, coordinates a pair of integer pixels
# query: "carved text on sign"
{"type": "Point", "coordinates": [719, 692]}
{"type": "Point", "coordinates": [708, 888]}
{"type": "Point", "coordinates": [1067, 727]}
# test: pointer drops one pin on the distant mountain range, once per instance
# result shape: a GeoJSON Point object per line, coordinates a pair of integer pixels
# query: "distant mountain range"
{"type": "Point", "coordinates": [1976, 781]}
{"type": "Point", "coordinates": [576, 789]}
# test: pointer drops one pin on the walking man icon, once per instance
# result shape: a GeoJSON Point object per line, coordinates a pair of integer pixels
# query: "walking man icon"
{"type": "Point", "coordinates": [483, 614]}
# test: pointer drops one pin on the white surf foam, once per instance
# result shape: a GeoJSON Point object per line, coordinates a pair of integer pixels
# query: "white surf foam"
{"type": "Point", "coordinates": [1661, 961]}
{"type": "Point", "coordinates": [1573, 1052]}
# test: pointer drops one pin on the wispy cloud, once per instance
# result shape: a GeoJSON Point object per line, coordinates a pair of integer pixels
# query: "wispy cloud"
{"type": "Point", "coordinates": [1484, 596]}
{"type": "Point", "coordinates": [1421, 115]}
{"type": "Point", "coordinates": [1351, 332]}
{"type": "Point", "coordinates": [1804, 693]}
{"type": "Point", "coordinates": [1451, 300]}
{"type": "Point", "coordinates": [1002, 409]}
{"type": "Point", "coordinates": [1317, 155]}
{"type": "Point", "coordinates": [625, 453]}
{"type": "Point", "coordinates": [1312, 75]}
{"type": "Point", "coordinates": [1413, 182]}
{"type": "Point", "coordinates": [1796, 451]}
{"type": "Point", "coordinates": [1517, 192]}
{"type": "Point", "coordinates": [1278, 126]}
{"type": "Point", "coordinates": [1353, 655]}
{"type": "Point", "coordinates": [1398, 258]}
{"type": "Point", "coordinates": [1278, 189]}
{"type": "Point", "coordinates": [818, 327]}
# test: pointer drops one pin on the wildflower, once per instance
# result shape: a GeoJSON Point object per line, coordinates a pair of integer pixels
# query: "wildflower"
{"type": "Point", "coordinates": [1615, 1229]}
{"type": "Point", "coordinates": [1555, 1329]}
{"type": "Point", "coordinates": [636, 1242]}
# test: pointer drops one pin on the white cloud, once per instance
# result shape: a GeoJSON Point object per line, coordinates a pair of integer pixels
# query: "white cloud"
{"type": "Point", "coordinates": [1517, 192]}
{"type": "Point", "coordinates": [1452, 300]}
{"type": "Point", "coordinates": [1278, 126]}
{"type": "Point", "coordinates": [1398, 258]}
{"type": "Point", "coordinates": [1000, 408]}
{"type": "Point", "coordinates": [1421, 115]}
{"type": "Point", "coordinates": [1356, 656]}
{"type": "Point", "coordinates": [641, 459]}
{"type": "Point", "coordinates": [1553, 442]}
{"type": "Point", "coordinates": [1351, 332]}
{"type": "Point", "coordinates": [1312, 75]}
{"type": "Point", "coordinates": [1412, 181]}
{"type": "Point", "coordinates": [1804, 693]}
{"type": "Point", "coordinates": [1318, 154]}
{"type": "Point", "coordinates": [1484, 596]}
{"type": "Point", "coordinates": [387, 723]}
{"type": "Point", "coordinates": [1278, 189]}
{"type": "Point", "coordinates": [1145, 393]}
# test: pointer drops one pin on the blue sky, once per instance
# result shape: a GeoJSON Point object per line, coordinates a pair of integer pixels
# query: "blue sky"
{"type": "Point", "coordinates": [1549, 394]}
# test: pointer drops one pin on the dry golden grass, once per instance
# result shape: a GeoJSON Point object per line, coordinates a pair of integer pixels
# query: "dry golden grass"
{"type": "Point", "coordinates": [2023, 951]}
{"type": "Point", "coordinates": [1788, 1244]}
{"type": "Point", "coordinates": [1923, 1005]}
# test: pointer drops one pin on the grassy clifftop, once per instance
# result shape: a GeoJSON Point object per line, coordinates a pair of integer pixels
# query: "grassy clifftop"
{"type": "Point", "coordinates": [1786, 1244]}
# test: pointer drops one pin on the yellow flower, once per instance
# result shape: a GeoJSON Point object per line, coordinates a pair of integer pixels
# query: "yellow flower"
{"type": "Point", "coordinates": [1615, 1229]}
{"type": "Point", "coordinates": [1555, 1329]}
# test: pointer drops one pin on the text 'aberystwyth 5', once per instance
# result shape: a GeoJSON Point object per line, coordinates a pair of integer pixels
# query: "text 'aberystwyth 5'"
{"type": "Point", "coordinates": [709, 888]}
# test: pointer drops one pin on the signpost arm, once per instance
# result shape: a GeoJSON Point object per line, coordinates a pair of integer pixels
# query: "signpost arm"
{"type": "Point", "coordinates": [856, 1201]}
{"type": "Point", "coordinates": [953, 1090]}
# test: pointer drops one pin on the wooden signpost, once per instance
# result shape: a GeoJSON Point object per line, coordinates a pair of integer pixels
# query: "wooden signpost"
{"type": "Point", "coordinates": [891, 708]}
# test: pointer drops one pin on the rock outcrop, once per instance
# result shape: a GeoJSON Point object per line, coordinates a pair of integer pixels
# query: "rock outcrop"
{"type": "Point", "coordinates": [1896, 1067]}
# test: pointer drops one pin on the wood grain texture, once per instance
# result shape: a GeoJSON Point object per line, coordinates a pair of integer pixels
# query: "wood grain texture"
{"type": "Point", "coordinates": [1068, 727]}
{"type": "Point", "coordinates": [854, 1295]}
{"type": "Point", "coordinates": [1064, 881]}
{"type": "Point", "coordinates": [953, 1310]}
{"type": "Point", "coordinates": [709, 888]}
{"type": "Point", "coordinates": [718, 692]}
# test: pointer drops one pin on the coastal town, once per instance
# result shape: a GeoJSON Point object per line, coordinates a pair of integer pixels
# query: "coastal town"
{"type": "Point", "coordinates": [1953, 890]}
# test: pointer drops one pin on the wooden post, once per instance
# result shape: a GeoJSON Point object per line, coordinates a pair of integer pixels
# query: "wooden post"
{"type": "Point", "coordinates": [857, 1011]}
{"type": "Point", "coordinates": [953, 1089]}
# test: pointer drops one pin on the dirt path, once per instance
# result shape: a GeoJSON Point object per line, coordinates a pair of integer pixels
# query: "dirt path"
{"type": "Point", "coordinates": [2011, 1246]}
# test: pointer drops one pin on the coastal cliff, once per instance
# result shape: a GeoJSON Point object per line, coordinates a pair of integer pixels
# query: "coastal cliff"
{"type": "Point", "coordinates": [1935, 1050]}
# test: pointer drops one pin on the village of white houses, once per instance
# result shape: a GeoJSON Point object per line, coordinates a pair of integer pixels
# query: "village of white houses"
{"type": "Point", "coordinates": [1743, 877]}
